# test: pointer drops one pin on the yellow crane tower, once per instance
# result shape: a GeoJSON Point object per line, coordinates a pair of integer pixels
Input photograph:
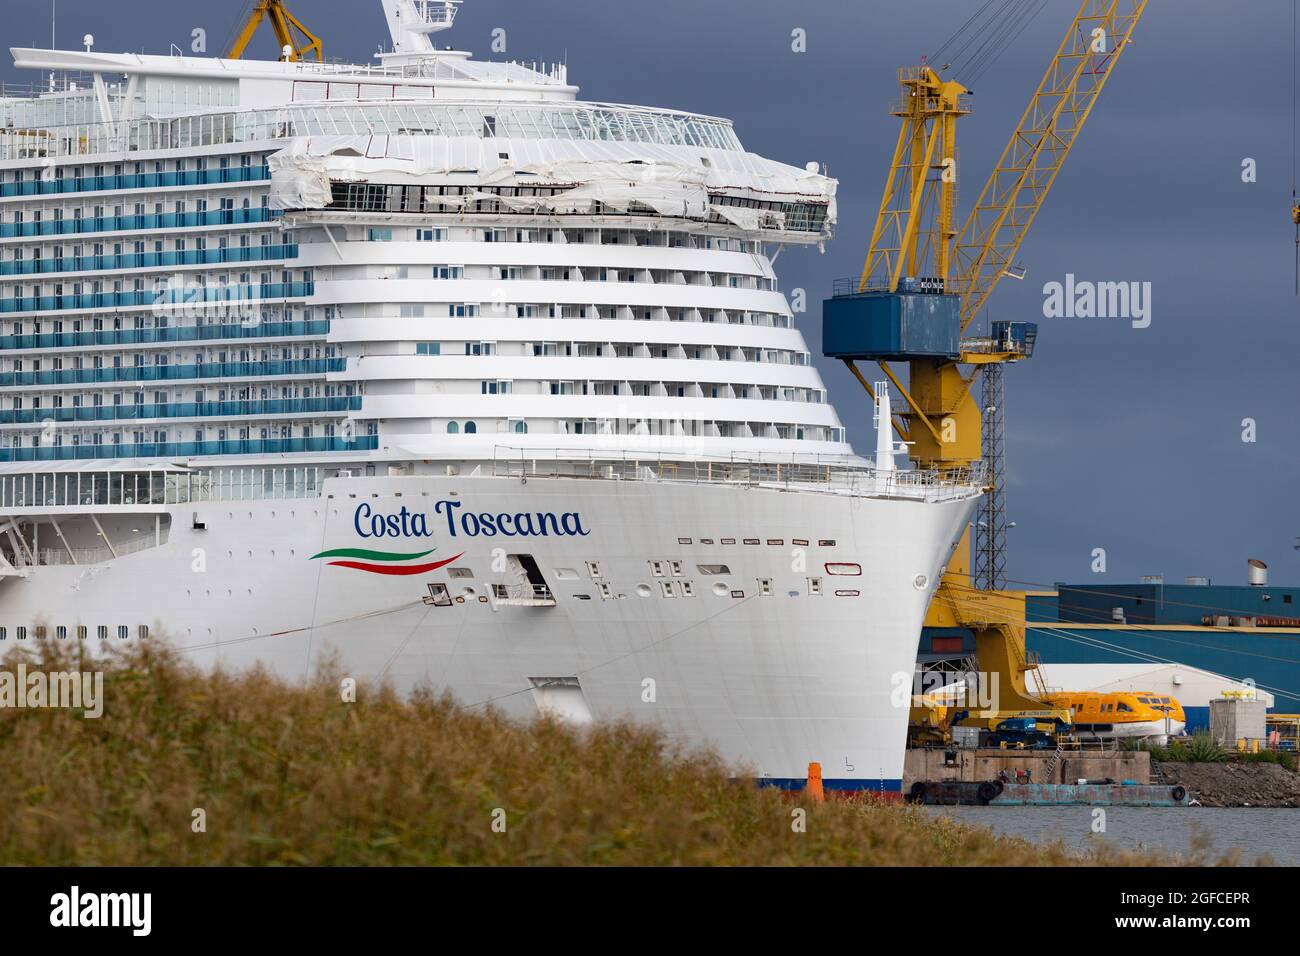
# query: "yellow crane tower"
{"type": "Point", "coordinates": [925, 280]}
{"type": "Point", "coordinates": [284, 24]}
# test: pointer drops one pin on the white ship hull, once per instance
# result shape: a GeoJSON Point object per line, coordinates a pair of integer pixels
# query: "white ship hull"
{"type": "Point", "coordinates": [774, 679]}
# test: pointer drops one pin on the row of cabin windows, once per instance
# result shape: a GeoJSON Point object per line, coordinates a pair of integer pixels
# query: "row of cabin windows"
{"type": "Point", "coordinates": [471, 428]}
{"type": "Point", "coordinates": [40, 632]}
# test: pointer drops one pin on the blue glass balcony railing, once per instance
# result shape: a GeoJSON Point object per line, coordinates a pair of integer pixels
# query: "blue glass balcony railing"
{"type": "Point", "coordinates": [166, 334]}
{"type": "Point", "coordinates": [172, 373]}
{"type": "Point", "coordinates": [149, 260]}
{"type": "Point", "coordinates": [193, 295]}
{"type": "Point", "coordinates": [193, 177]}
{"type": "Point", "coordinates": [109, 413]}
{"type": "Point", "coordinates": [134, 223]}
{"type": "Point", "coordinates": [263, 446]}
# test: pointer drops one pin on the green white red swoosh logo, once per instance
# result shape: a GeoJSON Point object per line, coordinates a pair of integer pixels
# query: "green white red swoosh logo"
{"type": "Point", "coordinates": [364, 560]}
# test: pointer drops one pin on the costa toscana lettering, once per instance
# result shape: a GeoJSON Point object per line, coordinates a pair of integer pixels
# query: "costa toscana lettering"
{"type": "Point", "coordinates": [470, 524]}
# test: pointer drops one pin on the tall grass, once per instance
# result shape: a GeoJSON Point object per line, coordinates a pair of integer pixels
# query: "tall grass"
{"type": "Point", "coordinates": [292, 775]}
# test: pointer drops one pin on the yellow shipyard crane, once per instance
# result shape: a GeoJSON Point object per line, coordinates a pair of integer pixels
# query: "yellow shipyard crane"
{"type": "Point", "coordinates": [925, 279]}
{"type": "Point", "coordinates": [285, 24]}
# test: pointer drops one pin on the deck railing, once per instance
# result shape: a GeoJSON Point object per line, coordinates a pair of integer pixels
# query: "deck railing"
{"type": "Point", "coordinates": [811, 472]}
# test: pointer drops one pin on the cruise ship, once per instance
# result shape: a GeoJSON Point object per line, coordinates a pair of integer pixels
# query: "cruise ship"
{"type": "Point", "coordinates": [435, 368]}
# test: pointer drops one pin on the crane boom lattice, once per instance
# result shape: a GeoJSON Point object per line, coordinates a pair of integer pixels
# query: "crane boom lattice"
{"type": "Point", "coordinates": [1048, 130]}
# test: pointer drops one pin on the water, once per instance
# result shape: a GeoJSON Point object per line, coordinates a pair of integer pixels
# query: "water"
{"type": "Point", "coordinates": [1253, 831]}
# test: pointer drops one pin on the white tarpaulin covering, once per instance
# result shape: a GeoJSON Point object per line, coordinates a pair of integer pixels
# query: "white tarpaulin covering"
{"type": "Point", "coordinates": [671, 180]}
{"type": "Point", "coordinates": [299, 179]}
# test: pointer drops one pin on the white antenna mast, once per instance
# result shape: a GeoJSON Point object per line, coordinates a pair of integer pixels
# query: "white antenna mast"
{"type": "Point", "coordinates": [54, 16]}
{"type": "Point", "coordinates": [411, 22]}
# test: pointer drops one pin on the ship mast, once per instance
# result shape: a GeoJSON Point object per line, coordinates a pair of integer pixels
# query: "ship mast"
{"type": "Point", "coordinates": [411, 23]}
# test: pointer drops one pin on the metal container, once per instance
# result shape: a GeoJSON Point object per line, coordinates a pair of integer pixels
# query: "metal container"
{"type": "Point", "coordinates": [966, 737]}
{"type": "Point", "coordinates": [1256, 573]}
{"type": "Point", "coordinates": [891, 325]}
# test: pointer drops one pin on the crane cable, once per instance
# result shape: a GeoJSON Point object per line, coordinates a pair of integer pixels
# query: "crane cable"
{"type": "Point", "coordinates": [1295, 207]}
{"type": "Point", "coordinates": [1017, 19]}
{"type": "Point", "coordinates": [961, 29]}
{"type": "Point", "coordinates": [986, 35]}
{"type": "Point", "coordinates": [238, 27]}
{"type": "Point", "coordinates": [1025, 21]}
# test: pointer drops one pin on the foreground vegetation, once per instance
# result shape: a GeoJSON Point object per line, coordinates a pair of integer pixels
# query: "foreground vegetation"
{"type": "Point", "coordinates": [1202, 748]}
{"type": "Point", "coordinates": [292, 775]}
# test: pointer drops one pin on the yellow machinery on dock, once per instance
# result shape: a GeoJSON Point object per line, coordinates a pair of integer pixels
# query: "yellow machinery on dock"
{"type": "Point", "coordinates": [1287, 728]}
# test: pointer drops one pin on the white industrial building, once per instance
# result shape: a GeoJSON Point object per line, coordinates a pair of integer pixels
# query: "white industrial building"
{"type": "Point", "coordinates": [1190, 686]}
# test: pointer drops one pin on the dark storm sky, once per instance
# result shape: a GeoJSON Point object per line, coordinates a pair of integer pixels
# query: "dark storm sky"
{"type": "Point", "coordinates": [1118, 438]}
